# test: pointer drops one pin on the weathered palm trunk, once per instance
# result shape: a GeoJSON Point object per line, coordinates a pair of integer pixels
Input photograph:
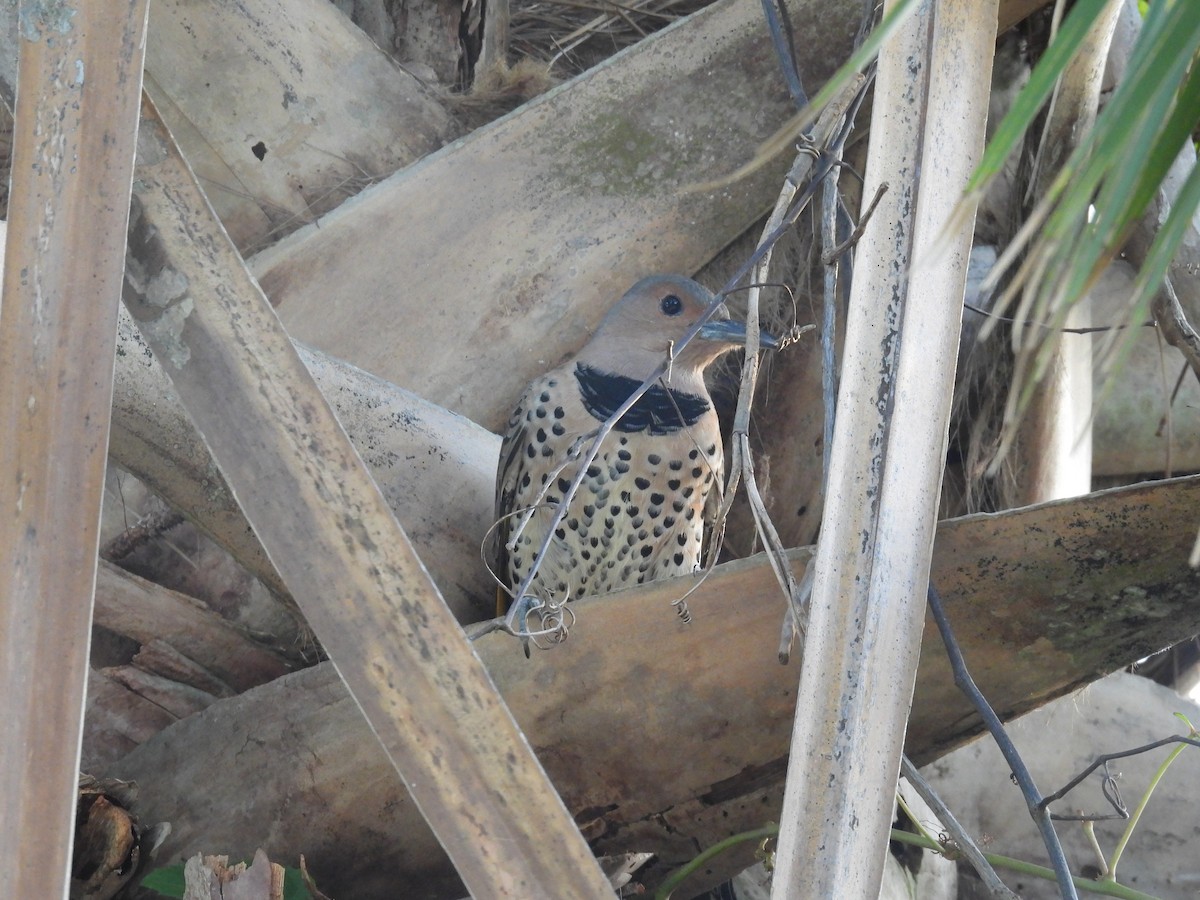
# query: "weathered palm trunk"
{"type": "Point", "coordinates": [80, 77]}
{"type": "Point", "coordinates": [889, 446]}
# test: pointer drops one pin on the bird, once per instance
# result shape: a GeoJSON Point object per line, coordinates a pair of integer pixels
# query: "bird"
{"type": "Point", "coordinates": [639, 513]}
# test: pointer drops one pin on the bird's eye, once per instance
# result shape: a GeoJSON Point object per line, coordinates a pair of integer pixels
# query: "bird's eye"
{"type": "Point", "coordinates": [671, 305]}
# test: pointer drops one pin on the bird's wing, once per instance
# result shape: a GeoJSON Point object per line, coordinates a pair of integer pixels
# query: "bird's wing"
{"type": "Point", "coordinates": [508, 480]}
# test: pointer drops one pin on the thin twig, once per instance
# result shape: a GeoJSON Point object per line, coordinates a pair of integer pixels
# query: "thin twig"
{"type": "Point", "coordinates": [832, 256]}
{"type": "Point", "coordinates": [1095, 329]}
{"type": "Point", "coordinates": [148, 528]}
{"type": "Point", "coordinates": [832, 130]}
{"type": "Point", "coordinates": [995, 887]}
{"type": "Point", "coordinates": [780, 29]}
{"type": "Point", "coordinates": [1033, 799]}
{"type": "Point", "coordinates": [741, 463]}
{"type": "Point", "coordinates": [1104, 760]}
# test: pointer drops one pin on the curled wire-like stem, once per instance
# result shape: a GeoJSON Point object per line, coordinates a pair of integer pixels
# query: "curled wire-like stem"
{"type": "Point", "coordinates": [1108, 786]}
{"type": "Point", "coordinates": [556, 621]}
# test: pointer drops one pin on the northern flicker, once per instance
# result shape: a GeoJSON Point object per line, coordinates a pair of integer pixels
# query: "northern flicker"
{"type": "Point", "coordinates": [639, 513]}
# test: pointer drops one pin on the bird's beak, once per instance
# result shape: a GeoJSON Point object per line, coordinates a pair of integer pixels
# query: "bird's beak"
{"type": "Point", "coordinates": [729, 331]}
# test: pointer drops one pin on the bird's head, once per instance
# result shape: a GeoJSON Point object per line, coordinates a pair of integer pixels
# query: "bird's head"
{"type": "Point", "coordinates": [653, 317]}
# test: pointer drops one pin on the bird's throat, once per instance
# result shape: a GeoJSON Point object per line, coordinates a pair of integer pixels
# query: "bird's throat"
{"type": "Point", "coordinates": [658, 411]}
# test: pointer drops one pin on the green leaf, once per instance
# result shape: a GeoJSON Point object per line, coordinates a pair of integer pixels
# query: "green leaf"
{"type": "Point", "coordinates": [1035, 93]}
{"type": "Point", "coordinates": [294, 887]}
{"type": "Point", "coordinates": [1166, 242]}
{"type": "Point", "coordinates": [167, 881]}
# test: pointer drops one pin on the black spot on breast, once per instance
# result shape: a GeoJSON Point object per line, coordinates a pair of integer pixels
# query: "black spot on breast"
{"type": "Point", "coordinates": [654, 511]}
{"type": "Point", "coordinates": [646, 551]}
{"type": "Point", "coordinates": [675, 465]}
{"type": "Point", "coordinates": [678, 559]}
{"type": "Point", "coordinates": [697, 472]}
{"type": "Point", "coordinates": [673, 484]}
{"type": "Point", "coordinates": [681, 539]}
{"type": "Point", "coordinates": [693, 453]}
{"type": "Point", "coordinates": [688, 491]}
{"type": "Point", "coordinates": [654, 459]}
{"type": "Point", "coordinates": [530, 451]}
{"type": "Point", "coordinates": [560, 534]}
{"type": "Point", "coordinates": [545, 398]}
{"type": "Point", "coordinates": [593, 472]}
{"type": "Point", "coordinates": [541, 412]}
{"type": "Point", "coordinates": [547, 450]}
{"type": "Point", "coordinates": [642, 483]}
{"type": "Point", "coordinates": [712, 450]}
{"type": "Point", "coordinates": [657, 499]}
{"type": "Point", "coordinates": [525, 480]}
{"type": "Point", "coordinates": [624, 455]}
{"type": "Point", "coordinates": [558, 430]}
{"type": "Point", "coordinates": [678, 505]}
{"type": "Point", "coordinates": [541, 435]}
{"type": "Point", "coordinates": [559, 412]}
